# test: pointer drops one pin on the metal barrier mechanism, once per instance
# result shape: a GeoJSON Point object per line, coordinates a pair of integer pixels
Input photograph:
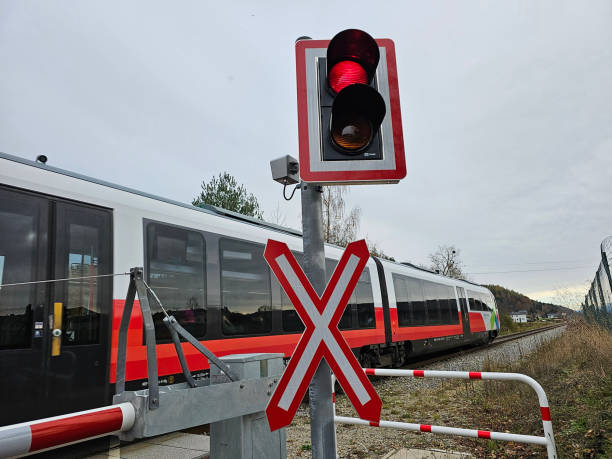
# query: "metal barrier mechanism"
{"type": "Point", "coordinates": [547, 440]}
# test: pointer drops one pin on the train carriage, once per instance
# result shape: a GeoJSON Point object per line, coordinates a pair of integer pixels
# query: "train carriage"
{"type": "Point", "coordinates": [58, 339]}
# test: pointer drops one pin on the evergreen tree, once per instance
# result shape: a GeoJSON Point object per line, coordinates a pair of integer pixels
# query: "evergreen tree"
{"type": "Point", "coordinates": [225, 192]}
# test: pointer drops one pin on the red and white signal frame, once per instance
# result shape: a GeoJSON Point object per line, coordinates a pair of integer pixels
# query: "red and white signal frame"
{"type": "Point", "coordinates": [392, 167]}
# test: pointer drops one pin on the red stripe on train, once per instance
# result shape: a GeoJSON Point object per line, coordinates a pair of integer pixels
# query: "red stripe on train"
{"type": "Point", "coordinates": [168, 363]}
{"type": "Point", "coordinates": [477, 322]}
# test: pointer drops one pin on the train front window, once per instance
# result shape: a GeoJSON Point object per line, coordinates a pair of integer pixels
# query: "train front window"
{"type": "Point", "coordinates": [176, 273]}
{"type": "Point", "coordinates": [246, 299]}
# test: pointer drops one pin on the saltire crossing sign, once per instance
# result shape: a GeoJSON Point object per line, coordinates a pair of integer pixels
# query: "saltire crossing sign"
{"type": "Point", "coordinates": [321, 337]}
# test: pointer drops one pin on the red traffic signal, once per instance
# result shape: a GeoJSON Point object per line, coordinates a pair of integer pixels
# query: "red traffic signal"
{"type": "Point", "coordinates": [348, 110]}
{"type": "Point", "coordinates": [352, 57]}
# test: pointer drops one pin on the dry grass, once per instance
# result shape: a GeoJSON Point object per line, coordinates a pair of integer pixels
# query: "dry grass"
{"type": "Point", "coordinates": [575, 371]}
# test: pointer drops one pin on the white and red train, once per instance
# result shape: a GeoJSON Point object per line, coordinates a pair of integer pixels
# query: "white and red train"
{"type": "Point", "coordinates": [206, 266]}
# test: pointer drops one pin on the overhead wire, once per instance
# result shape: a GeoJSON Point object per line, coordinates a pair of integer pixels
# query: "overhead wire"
{"type": "Point", "coordinates": [61, 280]}
{"type": "Point", "coordinates": [532, 270]}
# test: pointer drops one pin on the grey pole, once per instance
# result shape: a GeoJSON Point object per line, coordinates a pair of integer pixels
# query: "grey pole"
{"type": "Point", "coordinates": [322, 429]}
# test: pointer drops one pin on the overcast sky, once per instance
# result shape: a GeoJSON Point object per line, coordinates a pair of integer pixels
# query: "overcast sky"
{"type": "Point", "coordinates": [506, 109]}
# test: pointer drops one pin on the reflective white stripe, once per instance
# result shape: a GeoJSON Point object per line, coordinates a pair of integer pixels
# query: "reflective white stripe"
{"type": "Point", "coordinates": [129, 416]}
{"type": "Point", "coordinates": [321, 332]}
{"type": "Point", "coordinates": [15, 440]}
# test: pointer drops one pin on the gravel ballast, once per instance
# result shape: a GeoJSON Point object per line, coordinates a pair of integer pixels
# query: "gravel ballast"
{"type": "Point", "coordinates": [407, 399]}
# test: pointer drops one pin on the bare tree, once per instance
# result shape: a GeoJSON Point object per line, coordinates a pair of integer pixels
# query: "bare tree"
{"type": "Point", "coordinates": [278, 217]}
{"type": "Point", "coordinates": [376, 250]}
{"type": "Point", "coordinates": [570, 297]}
{"type": "Point", "coordinates": [339, 227]}
{"type": "Point", "coordinates": [447, 262]}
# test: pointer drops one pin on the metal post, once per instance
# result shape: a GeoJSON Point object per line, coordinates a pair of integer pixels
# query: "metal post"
{"type": "Point", "coordinates": [322, 429]}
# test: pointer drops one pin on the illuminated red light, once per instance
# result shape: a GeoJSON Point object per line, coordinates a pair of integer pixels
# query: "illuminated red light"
{"type": "Point", "coordinates": [345, 73]}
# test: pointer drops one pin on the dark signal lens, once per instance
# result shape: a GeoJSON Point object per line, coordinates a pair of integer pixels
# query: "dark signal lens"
{"type": "Point", "coordinates": [352, 134]}
{"type": "Point", "coordinates": [356, 115]}
{"type": "Point", "coordinates": [345, 73]}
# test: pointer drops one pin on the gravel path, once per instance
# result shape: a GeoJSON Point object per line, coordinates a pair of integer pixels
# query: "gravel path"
{"type": "Point", "coordinates": [357, 441]}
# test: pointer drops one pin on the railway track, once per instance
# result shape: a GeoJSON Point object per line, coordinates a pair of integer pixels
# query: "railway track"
{"type": "Point", "coordinates": [469, 350]}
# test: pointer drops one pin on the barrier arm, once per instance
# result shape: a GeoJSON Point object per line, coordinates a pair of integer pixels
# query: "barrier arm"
{"type": "Point", "coordinates": [42, 434]}
{"type": "Point", "coordinates": [547, 440]}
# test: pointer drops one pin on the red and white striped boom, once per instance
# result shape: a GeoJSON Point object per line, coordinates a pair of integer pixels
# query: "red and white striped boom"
{"type": "Point", "coordinates": [49, 433]}
{"type": "Point", "coordinates": [547, 440]}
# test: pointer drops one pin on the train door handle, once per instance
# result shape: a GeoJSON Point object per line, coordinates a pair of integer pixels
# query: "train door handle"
{"type": "Point", "coordinates": [56, 338]}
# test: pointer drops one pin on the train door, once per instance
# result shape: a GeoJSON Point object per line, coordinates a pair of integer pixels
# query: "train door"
{"type": "Point", "coordinates": [24, 247]}
{"type": "Point", "coordinates": [53, 336]}
{"type": "Point", "coordinates": [78, 363]}
{"type": "Point", "coordinates": [465, 316]}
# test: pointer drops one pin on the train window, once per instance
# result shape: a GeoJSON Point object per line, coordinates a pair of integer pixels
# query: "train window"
{"type": "Point", "coordinates": [486, 302]}
{"type": "Point", "coordinates": [82, 317]}
{"type": "Point", "coordinates": [410, 301]}
{"type": "Point", "coordinates": [246, 298]}
{"type": "Point", "coordinates": [417, 300]}
{"type": "Point", "coordinates": [448, 305]}
{"type": "Point", "coordinates": [176, 272]}
{"type": "Point", "coordinates": [22, 226]}
{"type": "Point", "coordinates": [346, 321]}
{"type": "Point", "coordinates": [474, 305]}
{"type": "Point", "coordinates": [432, 292]}
{"type": "Point", "coordinates": [365, 301]}
{"type": "Point", "coordinates": [453, 307]}
{"type": "Point", "coordinates": [290, 318]}
{"type": "Point", "coordinates": [404, 316]}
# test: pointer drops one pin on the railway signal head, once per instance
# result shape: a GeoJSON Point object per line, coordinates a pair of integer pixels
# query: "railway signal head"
{"type": "Point", "coordinates": [348, 110]}
{"type": "Point", "coordinates": [357, 109]}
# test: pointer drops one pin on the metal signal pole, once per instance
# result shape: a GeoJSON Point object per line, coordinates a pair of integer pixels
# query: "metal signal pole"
{"type": "Point", "coordinates": [322, 428]}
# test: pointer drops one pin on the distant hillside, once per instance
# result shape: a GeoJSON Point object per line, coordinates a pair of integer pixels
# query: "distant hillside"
{"type": "Point", "coordinates": [509, 301]}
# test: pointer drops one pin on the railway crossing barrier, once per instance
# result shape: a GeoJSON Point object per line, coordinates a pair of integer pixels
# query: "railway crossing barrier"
{"type": "Point", "coordinates": [547, 440]}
